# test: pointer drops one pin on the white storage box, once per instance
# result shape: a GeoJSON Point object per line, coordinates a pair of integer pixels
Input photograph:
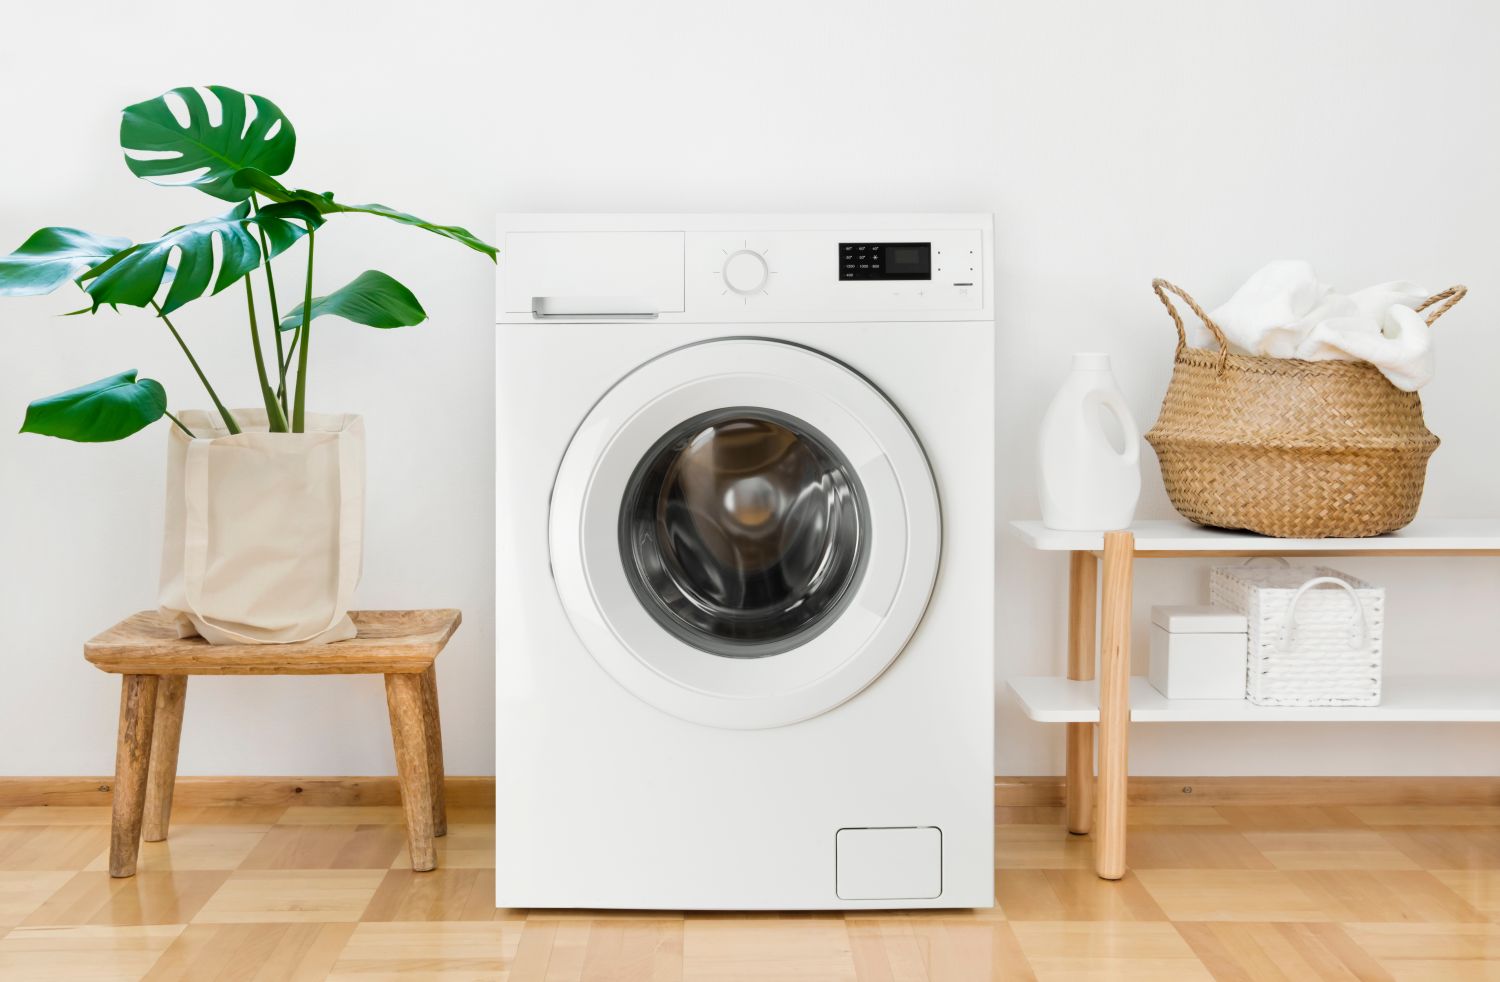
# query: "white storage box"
{"type": "Point", "coordinates": [1197, 653]}
{"type": "Point", "coordinates": [1315, 633]}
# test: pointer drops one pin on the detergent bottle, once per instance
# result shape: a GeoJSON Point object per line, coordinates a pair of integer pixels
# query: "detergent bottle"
{"type": "Point", "coordinates": [1087, 484]}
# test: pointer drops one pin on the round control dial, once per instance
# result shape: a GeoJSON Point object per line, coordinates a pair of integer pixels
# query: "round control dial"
{"type": "Point", "coordinates": [745, 272]}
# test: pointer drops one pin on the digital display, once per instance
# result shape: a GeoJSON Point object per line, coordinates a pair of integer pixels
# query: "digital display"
{"type": "Point", "coordinates": [885, 260]}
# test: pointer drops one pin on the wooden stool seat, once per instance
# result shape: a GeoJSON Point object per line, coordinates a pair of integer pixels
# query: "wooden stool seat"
{"type": "Point", "coordinates": [154, 663]}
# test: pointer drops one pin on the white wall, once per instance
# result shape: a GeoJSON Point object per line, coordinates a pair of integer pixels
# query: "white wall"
{"type": "Point", "coordinates": [1114, 142]}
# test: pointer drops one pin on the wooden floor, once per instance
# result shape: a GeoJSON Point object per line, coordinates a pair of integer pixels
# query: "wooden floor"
{"type": "Point", "coordinates": [303, 893]}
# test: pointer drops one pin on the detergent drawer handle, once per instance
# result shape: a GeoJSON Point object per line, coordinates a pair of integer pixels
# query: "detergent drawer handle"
{"type": "Point", "coordinates": [612, 308]}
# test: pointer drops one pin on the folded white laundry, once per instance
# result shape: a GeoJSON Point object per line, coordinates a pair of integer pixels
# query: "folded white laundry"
{"type": "Point", "coordinates": [1284, 311]}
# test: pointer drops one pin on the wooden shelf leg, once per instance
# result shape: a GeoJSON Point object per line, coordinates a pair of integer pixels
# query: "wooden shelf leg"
{"type": "Point", "coordinates": [433, 728]}
{"type": "Point", "coordinates": [1083, 602]}
{"type": "Point", "coordinates": [1114, 704]}
{"type": "Point", "coordinates": [132, 759]}
{"type": "Point", "coordinates": [166, 735]}
{"type": "Point", "coordinates": [403, 696]}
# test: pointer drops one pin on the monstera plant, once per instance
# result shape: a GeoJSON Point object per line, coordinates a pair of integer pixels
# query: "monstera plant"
{"type": "Point", "coordinates": [234, 147]}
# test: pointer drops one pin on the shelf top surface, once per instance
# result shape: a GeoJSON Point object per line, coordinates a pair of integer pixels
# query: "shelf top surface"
{"type": "Point", "coordinates": [1180, 535]}
{"type": "Point", "coordinates": [1411, 698]}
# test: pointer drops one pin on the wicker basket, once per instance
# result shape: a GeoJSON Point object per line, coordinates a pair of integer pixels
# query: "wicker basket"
{"type": "Point", "coordinates": [1290, 448]}
{"type": "Point", "coordinates": [1307, 646]}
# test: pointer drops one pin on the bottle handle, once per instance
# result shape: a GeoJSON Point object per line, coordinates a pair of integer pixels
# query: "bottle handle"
{"type": "Point", "coordinates": [1115, 403]}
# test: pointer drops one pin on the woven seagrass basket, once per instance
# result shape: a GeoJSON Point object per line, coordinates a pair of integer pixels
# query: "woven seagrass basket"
{"type": "Point", "coordinates": [1290, 448]}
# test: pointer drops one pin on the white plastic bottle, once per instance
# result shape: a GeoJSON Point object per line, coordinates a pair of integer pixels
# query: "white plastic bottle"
{"type": "Point", "coordinates": [1086, 484]}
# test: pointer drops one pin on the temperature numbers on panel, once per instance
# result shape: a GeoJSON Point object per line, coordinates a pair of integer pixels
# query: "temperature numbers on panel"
{"type": "Point", "coordinates": [885, 260]}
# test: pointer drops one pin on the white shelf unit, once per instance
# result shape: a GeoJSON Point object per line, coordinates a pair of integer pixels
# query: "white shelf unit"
{"type": "Point", "coordinates": [1100, 584]}
{"type": "Point", "coordinates": [1404, 699]}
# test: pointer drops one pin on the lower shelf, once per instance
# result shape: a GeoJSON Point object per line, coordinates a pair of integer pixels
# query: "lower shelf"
{"type": "Point", "coordinates": [1405, 699]}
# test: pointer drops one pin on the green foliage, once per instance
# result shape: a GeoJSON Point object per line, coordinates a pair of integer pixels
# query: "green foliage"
{"type": "Point", "coordinates": [232, 146]}
{"type": "Point", "coordinates": [135, 275]}
{"type": "Point", "coordinates": [372, 299]}
{"type": "Point", "coordinates": [52, 257]}
{"type": "Point", "coordinates": [257, 180]}
{"type": "Point", "coordinates": [109, 409]}
{"type": "Point", "coordinates": [201, 154]}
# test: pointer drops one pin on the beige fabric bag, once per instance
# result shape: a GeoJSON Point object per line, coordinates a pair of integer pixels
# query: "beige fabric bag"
{"type": "Point", "coordinates": [263, 542]}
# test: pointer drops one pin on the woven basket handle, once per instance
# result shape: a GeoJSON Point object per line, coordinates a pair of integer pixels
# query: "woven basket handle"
{"type": "Point", "coordinates": [1450, 296]}
{"type": "Point", "coordinates": [1162, 288]}
{"type": "Point", "coordinates": [1357, 638]}
{"type": "Point", "coordinates": [1275, 559]}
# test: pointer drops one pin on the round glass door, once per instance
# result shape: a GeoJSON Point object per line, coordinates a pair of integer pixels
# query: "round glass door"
{"type": "Point", "coordinates": [744, 533]}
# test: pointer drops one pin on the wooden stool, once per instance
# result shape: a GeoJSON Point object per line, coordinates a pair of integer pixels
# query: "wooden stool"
{"type": "Point", "coordinates": [402, 645]}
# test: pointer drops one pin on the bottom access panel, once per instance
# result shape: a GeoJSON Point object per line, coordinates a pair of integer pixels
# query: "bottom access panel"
{"type": "Point", "coordinates": [890, 863]}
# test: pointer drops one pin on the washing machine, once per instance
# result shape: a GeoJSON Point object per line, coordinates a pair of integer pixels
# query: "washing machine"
{"type": "Point", "coordinates": [744, 561]}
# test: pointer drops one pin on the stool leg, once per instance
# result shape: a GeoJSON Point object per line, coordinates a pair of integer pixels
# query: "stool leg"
{"type": "Point", "coordinates": [171, 697]}
{"type": "Point", "coordinates": [132, 758]}
{"type": "Point", "coordinates": [433, 731]}
{"type": "Point", "coordinates": [403, 697]}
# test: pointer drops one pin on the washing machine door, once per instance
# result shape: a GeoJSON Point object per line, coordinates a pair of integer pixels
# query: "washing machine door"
{"type": "Point", "coordinates": [744, 533]}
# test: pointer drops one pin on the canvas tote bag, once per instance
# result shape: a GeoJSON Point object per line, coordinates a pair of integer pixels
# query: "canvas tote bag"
{"type": "Point", "coordinates": [264, 531]}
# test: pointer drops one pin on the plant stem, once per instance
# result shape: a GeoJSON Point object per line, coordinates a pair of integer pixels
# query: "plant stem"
{"type": "Point", "coordinates": [275, 420]}
{"type": "Point", "coordinates": [190, 433]}
{"type": "Point", "coordinates": [229, 422]}
{"type": "Point", "coordinates": [291, 350]}
{"type": "Point", "coordinates": [282, 358]}
{"type": "Point", "coordinates": [304, 334]}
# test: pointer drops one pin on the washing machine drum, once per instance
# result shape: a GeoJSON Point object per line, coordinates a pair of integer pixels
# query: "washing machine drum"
{"type": "Point", "coordinates": [744, 533]}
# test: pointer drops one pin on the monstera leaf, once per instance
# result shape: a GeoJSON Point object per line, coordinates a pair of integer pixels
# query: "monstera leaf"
{"type": "Point", "coordinates": [372, 299]}
{"type": "Point", "coordinates": [135, 275]}
{"type": "Point", "coordinates": [278, 219]}
{"type": "Point", "coordinates": [52, 257]}
{"type": "Point", "coordinates": [253, 179]}
{"type": "Point", "coordinates": [250, 132]}
{"type": "Point", "coordinates": [109, 409]}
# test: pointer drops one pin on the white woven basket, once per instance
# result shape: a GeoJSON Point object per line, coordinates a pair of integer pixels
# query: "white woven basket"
{"type": "Point", "coordinates": [1315, 633]}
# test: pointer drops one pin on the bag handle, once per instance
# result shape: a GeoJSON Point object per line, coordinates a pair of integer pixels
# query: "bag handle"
{"type": "Point", "coordinates": [1162, 288]}
{"type": "Point", "coordinates": [195, 540]}
{"type": "Point", "coordinates": [1357, 639]}
{"type": "Point", "coordinates": [1452, 295]}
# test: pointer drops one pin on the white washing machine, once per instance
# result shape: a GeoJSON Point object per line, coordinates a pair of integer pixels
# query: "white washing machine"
{"type": "Point", "coordinates": [745, 561]}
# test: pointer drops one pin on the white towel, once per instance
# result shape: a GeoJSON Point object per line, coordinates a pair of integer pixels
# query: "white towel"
{"type": "Point", "coordinates": [1265, 316]}
{"type": "Point", "coordinates": [1284, 311]}
{"type": "Point", "coordinates": [1400, 346]}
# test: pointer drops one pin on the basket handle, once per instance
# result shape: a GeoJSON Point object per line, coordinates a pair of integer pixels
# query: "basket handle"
{"type": "Point", "coordinates": [1451, 296]}
{"type": "Point", "coordinates": [1162, 288]}
{"type": "Point", "coordinates": [1357, 637]}
{"type": "Point", "coordinates": [1275, 559]}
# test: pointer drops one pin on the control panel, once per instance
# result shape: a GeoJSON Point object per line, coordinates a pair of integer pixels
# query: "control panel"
{"type": "Point", "coordinates": [692, 270]}
{"type": "Point", "coordinates": [885, 260]}
{"type": "Point", "coordinates": [779, 271]}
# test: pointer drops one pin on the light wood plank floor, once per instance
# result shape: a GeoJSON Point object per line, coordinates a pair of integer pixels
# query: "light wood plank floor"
{"type": "Point", "coordinates": [307, 893]}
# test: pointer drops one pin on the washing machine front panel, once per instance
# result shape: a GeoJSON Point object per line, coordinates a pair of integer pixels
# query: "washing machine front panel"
{"type": "Point", "coordinates": [744, 533]}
